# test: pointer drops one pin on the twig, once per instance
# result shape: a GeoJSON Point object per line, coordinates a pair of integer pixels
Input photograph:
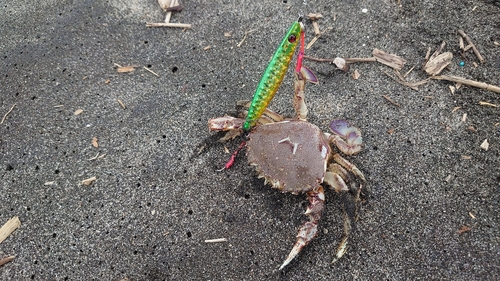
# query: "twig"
{"type": "Point", "coordinates": [245, 37]}
{"type": "Point", "coordinates": [216, 240]}
{"type": "Point", "coordinates": [487, 104]}
{"type": "Point", "coordinates": [468, 82]}
{"type": "Point", "coordinates": [169, 24]}
{"type": "Point", "coordinates": [6, 260]}
{"type": "Point", "coordinates": [391, 101]}
{"type": "Point", "coordinates": [409, 71]}
{"type": "Point", "coordinates": [169, 13]}
{"type": "Point", "coordinates": [347, 60]}
{"type": "Point", "coordinates": [5, 116]}
{"type": "Point", "coordinates": [121, 103]}
{"type": "Point", "coordinates": [412, 85]}
{"type": "Point", "coordinates": [478, 55]}
{"type": "Point", "coordinates": [9, 227]}
{"type": "Point", "coordinates": [154, 73]}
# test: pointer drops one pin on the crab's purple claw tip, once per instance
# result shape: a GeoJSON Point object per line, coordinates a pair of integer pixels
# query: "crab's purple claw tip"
{"type": "Point", "coordinates": [347, 138]}
{"type": "Point", "coordinates": [340, 127]}
{"type": "Point", "coordinates": [306, 74]}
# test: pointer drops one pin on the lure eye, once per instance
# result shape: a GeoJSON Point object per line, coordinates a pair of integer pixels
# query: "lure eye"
{"type": "Point", "coordinates": [292, 38]}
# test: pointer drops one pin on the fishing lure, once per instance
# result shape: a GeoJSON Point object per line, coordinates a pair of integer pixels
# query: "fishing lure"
{"type": "Point", "coordinates": [274, 73]}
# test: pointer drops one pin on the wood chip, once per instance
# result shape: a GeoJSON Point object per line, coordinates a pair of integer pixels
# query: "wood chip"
{"type": "Point", "coordinates": [94, 142]}
{"type": "Point", "coordinates": [452, 89]}
{"type": "Point", "coordinates": [316, 28]}
{"type": "Point", "coordinates": [314, 16]}
{"type": "Point", "coordinates": [466, 157]}
{"type": "Point", "coordinates": [391, 131]}
{"type": "Point", "coordinates": [496, 43]}
{"type": "Point", "coordinates": [89, 181]}
{"type": "Point", "coordinates": [125, 69]}
{"type": "Point", "coordinates": [471, 215]}
{"type": "Point", "coordinates": [356, 74]}
{"type": "Point", "coordinates": [455, 109]}
{"type": "Point", "coordinates": [448, 178]}
{"type": "Point", "coordinates": [485, 145]}
{"type": "Point", "coordinates": [464, 117]}
{"type": "Point", "coordinates": [207, 48]}
{"type": "Point", "coordinates": [6, 260]}
{"type": "Point", "coordinates": [487, 104]}
{"type": "Point", "coordinates": [49, 183]}
{"type": "Point", "coordinates": [218, 240]}
{"type": "Point", "coordinates": [435, 65]}
{"type": "Point", "coordinates": [227, 34]}
{"type": "Point", "coordinates": [121, 103]}
{"type": "Point", "coordinates": [9, 227]}
{"type": "Point", "coordinates": [393, 61]}
{"type": "Point", "coordinates": [78, 112]}
{"type": "Point", "coordinates": [464, 229]}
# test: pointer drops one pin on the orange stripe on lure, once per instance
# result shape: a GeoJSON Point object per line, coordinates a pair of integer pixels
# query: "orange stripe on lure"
{"type": "Point", "coordinates": [274, 73]}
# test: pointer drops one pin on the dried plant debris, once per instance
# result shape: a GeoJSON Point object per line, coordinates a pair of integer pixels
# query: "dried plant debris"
{"type": "Point", "coordinates": [89, 181]}
{"type": "Point", "coordinates": [6, 260]}
{"type": "Point", "coordinates": [485, 145]}
{"type": "Point", "coordinates": [435, 65]}
{"type": "Point", "coordinates": [476, 51]}
{"type": "Point", "coordinates": [126, 69]}
{"type": "Point", "coordinates": [393, 61]}
{"type": "Point", "coordinates": [468, 82]}
{"type": "Point", "coordinates": [78, 112]}
{"type": "Point", "coordinates": [464, 229]}
{"type": "Point", "coordinates": [5, 116]}
{"type": "Point", "coordinates": [314, 16]}
{"type": "Point", "coordinates": [356, 75]}
{"type": "Point", "coordinates": [437, 62]}
{"type": "Point", "coordinates": [94, 142]}
{"type": "Point", "coordinates": [9, 227]}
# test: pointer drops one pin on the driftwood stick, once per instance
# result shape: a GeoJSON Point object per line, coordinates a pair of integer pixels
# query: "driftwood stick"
{"type": "Point", "coordinates": [468, 82]}
{"type": "Point", "coordinates": [466, 37]}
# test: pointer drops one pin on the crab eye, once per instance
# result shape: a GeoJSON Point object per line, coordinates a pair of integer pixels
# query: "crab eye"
{"type": "Point", "coordinates": [292, 38]}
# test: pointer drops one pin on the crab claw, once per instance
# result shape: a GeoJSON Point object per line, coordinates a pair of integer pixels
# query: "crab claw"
{"type": "Point", "coordinates": [306, 74]}
{"type": "Point", "coordinates": [309, 229]}
{"type": "Point", "coordinates": [225, 123]}
{"type": "Point", "coordinates": [346, 137]}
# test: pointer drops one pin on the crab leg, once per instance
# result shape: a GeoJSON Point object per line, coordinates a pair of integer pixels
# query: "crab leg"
{"type": "Point", "coordinates": [309, 229]}
{"type": "Point", "coordinates": [336, 177]}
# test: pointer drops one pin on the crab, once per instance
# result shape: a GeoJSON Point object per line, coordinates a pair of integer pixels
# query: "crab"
{"type": "Point", "coordinates": [295, 156]}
